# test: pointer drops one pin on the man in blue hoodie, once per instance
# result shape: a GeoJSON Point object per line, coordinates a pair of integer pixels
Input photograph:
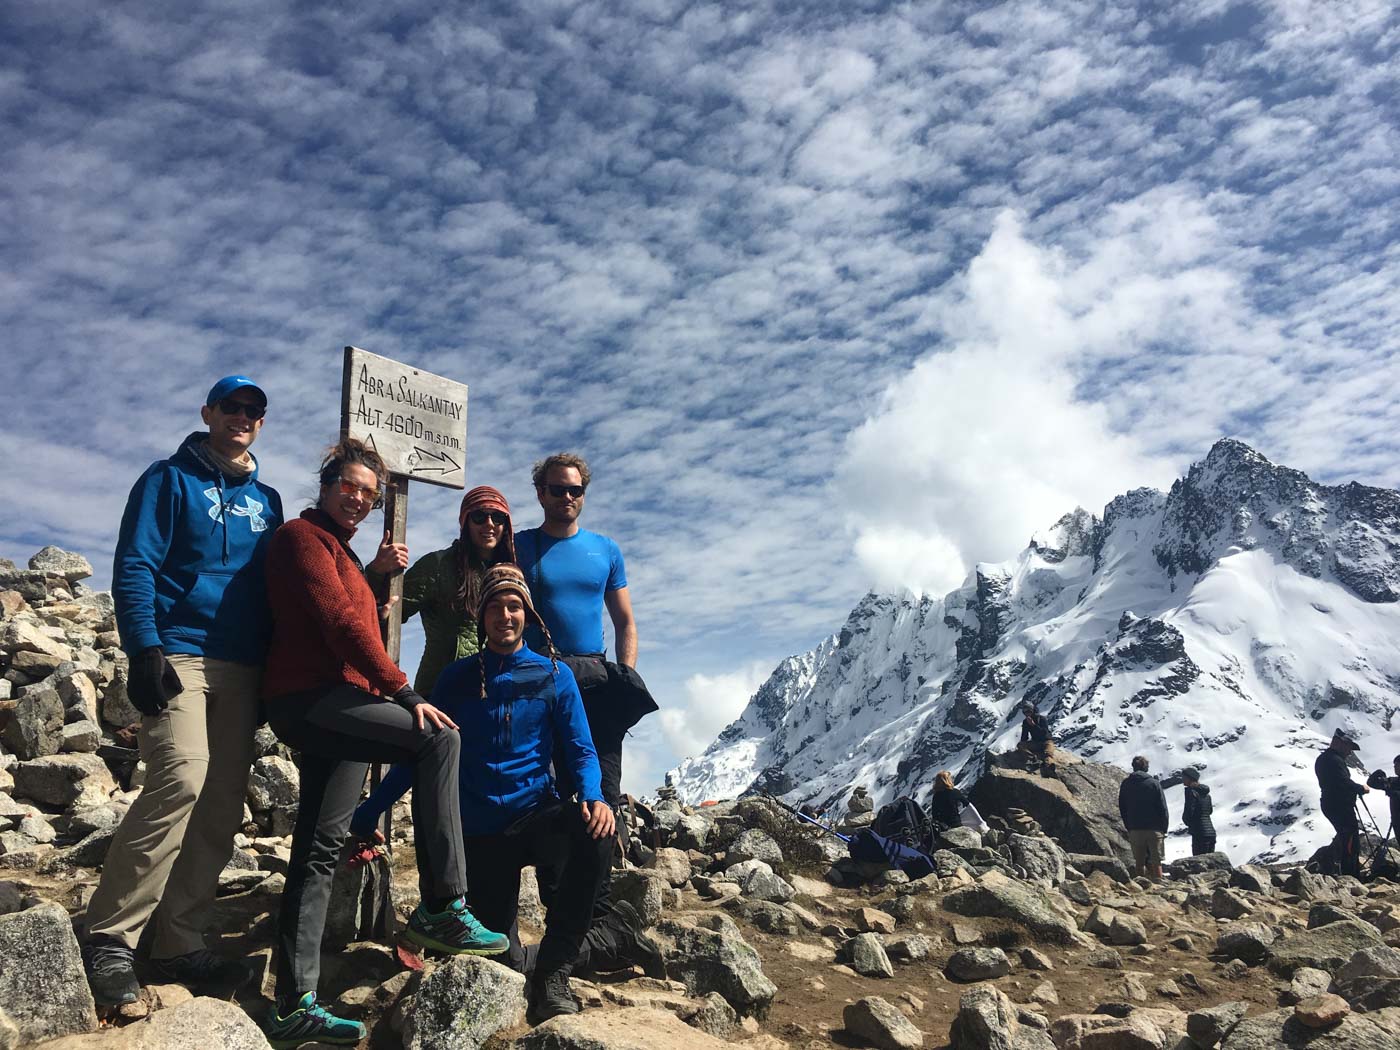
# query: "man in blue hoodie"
{"type": "Point", "coordinates": [511, 704]}
{"type": "Point", "coordinates": [192, 613]}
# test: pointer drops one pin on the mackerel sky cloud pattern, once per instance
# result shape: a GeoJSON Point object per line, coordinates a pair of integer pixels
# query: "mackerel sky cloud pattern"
{"type": "Point", "coordinates": [813, 285]}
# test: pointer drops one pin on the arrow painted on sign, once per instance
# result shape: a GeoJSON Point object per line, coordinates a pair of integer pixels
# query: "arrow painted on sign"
{"type": "Point", "coordinates": [439, 462]}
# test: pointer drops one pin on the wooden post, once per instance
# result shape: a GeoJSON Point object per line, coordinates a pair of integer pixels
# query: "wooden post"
{"type": "Point", "coordinates": [396, 521]}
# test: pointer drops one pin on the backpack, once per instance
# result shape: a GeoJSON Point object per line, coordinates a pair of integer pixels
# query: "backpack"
{"type": "Point", "coordinates": [903, 821]}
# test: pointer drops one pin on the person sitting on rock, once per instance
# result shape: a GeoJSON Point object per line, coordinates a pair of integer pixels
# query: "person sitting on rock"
{"type": "Point", "coordinates": [1035, 739]}
{"type": "Point", "coordinates": [1196, 813]}
{"type": "Point", "coordinates": [1143, 807]}
{"type": "Point", "coordinates": [946, 804]}
{"type": "Point", "coordinates": [511, 704]}
{"type": "Point", "coordinates": [1339, 795]}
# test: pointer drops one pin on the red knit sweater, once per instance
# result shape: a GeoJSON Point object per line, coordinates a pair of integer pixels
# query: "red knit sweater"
{"type": "Point", "coordinates": [325, 619]}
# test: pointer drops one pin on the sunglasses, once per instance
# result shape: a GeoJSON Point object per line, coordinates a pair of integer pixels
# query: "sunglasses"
{"type": "Point", "coordinates": [496, 517]}
{"type": "Point", "coordinates": [229, 407]}
{"type": "Point", "coordinates": [374, 496]}
{"type": "Point", "coordinates": [560, 491]}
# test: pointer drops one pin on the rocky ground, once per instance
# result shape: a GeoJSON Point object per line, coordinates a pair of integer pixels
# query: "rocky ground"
{"type": "Point", "coordinates": [1020, 940]}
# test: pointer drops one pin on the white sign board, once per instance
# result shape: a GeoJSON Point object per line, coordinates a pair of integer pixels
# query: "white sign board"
{"type": "Point", "coordinates": [415, 420]}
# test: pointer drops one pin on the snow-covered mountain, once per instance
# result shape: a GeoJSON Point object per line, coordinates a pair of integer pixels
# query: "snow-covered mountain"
{"type": "Point", "coordinates": [1230, 624]}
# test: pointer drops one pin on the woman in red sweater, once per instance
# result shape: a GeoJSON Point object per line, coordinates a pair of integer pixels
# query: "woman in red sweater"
{"type": "Point", "coordinates": [333, 694]}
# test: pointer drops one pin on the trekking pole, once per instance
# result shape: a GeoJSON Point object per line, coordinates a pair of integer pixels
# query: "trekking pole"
{"type": "Point", "coordinates": [803, 817]}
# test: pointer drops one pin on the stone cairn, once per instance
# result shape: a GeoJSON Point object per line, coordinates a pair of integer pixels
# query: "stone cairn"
{"type": "Point", "coordinates": [1013, 942]}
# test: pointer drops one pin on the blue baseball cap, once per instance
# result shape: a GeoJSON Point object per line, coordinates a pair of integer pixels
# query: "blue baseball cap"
{"type": "Point", "coordinates": [227, 385]}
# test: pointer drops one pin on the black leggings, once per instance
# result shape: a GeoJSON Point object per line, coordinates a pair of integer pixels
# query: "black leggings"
{"type": "Point", "coordinates": [339, 731]}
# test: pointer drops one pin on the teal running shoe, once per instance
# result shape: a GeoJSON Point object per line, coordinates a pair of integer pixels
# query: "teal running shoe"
{"type": "Point", "coordinates": [310, 1023]}
{"type": "Point", "coordinates": [453, 930]}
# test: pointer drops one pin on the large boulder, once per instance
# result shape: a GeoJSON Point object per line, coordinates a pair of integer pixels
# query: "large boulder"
{"type": "Point", "coordinates": [1370, 979]}
{"type": "Point", "coordinates": [1280, 1029]}
{"type": "Point", "coordinates": [1249, 942]}
{"type": "Point", "coordinates": [977, 964]}
{"type": "Point", "coordinates": [1042, 860]}
{"type": "Point", "coordinates": [1324, 948]}
{"type": "Point", "coordinates": [462, 1003]}
{"type": "Point", "coordinates": [35, 727]}
{"type": "Point", "coordinates": [42, 985]}
{"type": "Point", "coordinates": [58, 562]}
{"type": "Point", "coordinates": [1038, 910]}
{"type": "Point", "coordinates": [196, 1024]}
{"type": "Point", "coordinates": [631, 1028]}
{"type": "Point", "coordinates": [867, 956]}
{"type": "Point", "coordinates": [1107, 1032]}
{"type": "Point", "coordinates": [988, 1020]}
{"type": "Point", "coordinates": [1078, 808]}
{"type": "Point", "coordinates": [877, 1023]}
{"type": "Point", "coordinates": [710, 955]}
{"type": "Point", "coordinates": [76, 781]}
{"type": "Point", "coordinates": [755, 844]}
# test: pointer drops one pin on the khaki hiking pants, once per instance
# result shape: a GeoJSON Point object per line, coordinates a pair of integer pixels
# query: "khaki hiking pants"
{"type": "Point", "coordinates": [178, 834]}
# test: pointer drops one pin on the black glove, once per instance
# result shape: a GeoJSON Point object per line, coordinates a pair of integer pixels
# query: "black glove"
{"type": "Point", "coordinates": [151, 683]}
{"type": "Point", "coordinates": [408, 698]}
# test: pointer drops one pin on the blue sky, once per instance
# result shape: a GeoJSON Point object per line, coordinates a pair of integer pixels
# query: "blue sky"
{"type": "Point", "coordinates": [832, 296]}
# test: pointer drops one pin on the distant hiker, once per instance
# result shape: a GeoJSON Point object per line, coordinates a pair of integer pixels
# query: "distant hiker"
{"type": "Point", "coordinates": [1196, 813]}
{"type": "Point", "coordinates": [444, 587]}
{"type": "Point", "coordinates": [1036, 740]}
{"type": "Point", "coordinates": [191, 609]}
{"type": "Point", "coordinates": [1392, 792]}
{"type": "Point", "coordinates": [513, 704]}
{"type": "Point", "coordinates": [573, 575]}
{"type": "Point", "coordinates": [946, 804]}
{"type": "Point", "coordinates": [1143, 807]}
{"type": "Point", "coordinates": [334, 695]}
{"type": "Point", "coordinates": [1339, 795]}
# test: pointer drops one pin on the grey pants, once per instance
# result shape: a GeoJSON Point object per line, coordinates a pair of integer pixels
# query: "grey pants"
{"type": "Point", "coordinates": [339, 731]}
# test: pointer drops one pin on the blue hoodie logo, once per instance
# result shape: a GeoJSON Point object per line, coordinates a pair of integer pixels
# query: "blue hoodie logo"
{"type": "Point", "coordinates": [251, 509]}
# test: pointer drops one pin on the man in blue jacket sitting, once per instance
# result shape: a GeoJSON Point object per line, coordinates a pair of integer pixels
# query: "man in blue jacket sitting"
{"type": "Point", "coordinates": [510, 703]}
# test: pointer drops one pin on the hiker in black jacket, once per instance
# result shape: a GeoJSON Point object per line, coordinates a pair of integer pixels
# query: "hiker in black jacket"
{"type": "Point", "coordinates": [946, 804]}
{"type": "Point", "coordinates": [1196, 814]}
{"type": "Point", "coordinates": [1339, 795]}
{"type": "Point", "coordinates": [1035, 739]}
{"type": "Point", "coordinates": [1143, 807]}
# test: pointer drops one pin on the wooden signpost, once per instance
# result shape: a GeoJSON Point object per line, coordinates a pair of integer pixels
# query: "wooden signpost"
{"type": "Point", "coordinates": [417, 422]}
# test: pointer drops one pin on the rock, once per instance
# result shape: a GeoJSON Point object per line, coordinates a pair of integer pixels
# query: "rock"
{"type": "Point", "coordinates": [1042, 859]}
{"type": "Point", "coordinates": [117, 709]}
{"type": "Point", "coordinates": [1035, 959]}
{"type": "Point", "coordinates": [959, 838]}
{"type": "Point", "coordinates": [66, 781]}
{"type": "Point", "coordinates": [755, 844]}
{"type": "Point", "coordinates": [866, 955]}
{"type": "Point", "coordinates": [1307, 982]}
{"type": "Point", "coordinates": [462, 1003]}
{"type": "Point", "coordinates": [82, 737]}
{"type": "Point", "coordinates": [35, 727]}
{"type": "Point", "coordinates": [1250, 942]}
{"type": "Point", "coordinates": [1045, 993]}
{"type": "Point", "coordinates": [1113, 867]}
{"type": "Point", "coordinates": [1323, 912]}
{"type": "Point", "coordinates": [1321, 1011]}
{"type": "Point", "coordinates": [58, 562]}
{"type": "Point", "coordinates": [1078, 808]}
{"type": "Point", "coordinates": [770, 918]}
{"type": "Point", "coordinates": [79, 697]}
{"type": "Point", "coordinates": [876, 1022]}
{"type": "Point", "coordinates": [1370, 979]}
{"type": "Point", "coordinates": [26, 636]}
{"type": "Point", "coordinates": [1115, 927]}
{"type": "Point", "coordinates": [1253, 878]}
{"type": "Point", "coordinates": [977, 964]}
{"type": "Point", "coordinates": [630, 1028]}
{"type": "Point", "coordinates": [714, 957]}
{"type": "Point", "coordinates": [1209, 1026]}
{"type": "Point", "coordinates": [911, 947]}
{"type": "Point", "coordinates": [1325, 948]}
{"type": "Point", "coordinates": [996, 895]}
{"type": "Point", "coordinates": [643, 890]}
{"type": "Point", "coordinates": [196, 1024]}
{"type": "Point", "coordinates": [1281, 1029]}
{"type": "Point", "coordinates": [690, 832]}
{"type": "Point", "coordinates": [42, 984]}
{"type": "Point", "coordinates": [11, 899]}
{"type": "Point", "coordinates": [1105, 1032]}
{"type": "Point", "coordinates": [274, 783]}
{"type": "Point", "coordinates": [761, 884]}
{"type": "Point", "coordinates": [988, 1020]}
{"type": "Point", "coordinates": [1229, 904]}
{"type": "Point", "coordinates": [672, 866]}
{"type": "Point", "coordinates": [1202, 862]}
{"type": "Point", "coordinates": [1304, 885]}
{"type": "Point", "coordinates": [872, 920]}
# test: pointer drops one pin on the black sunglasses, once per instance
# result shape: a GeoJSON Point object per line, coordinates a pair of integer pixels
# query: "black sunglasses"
{"type": "Point", "coordinates": [560, 491]}
{"type": "Point", "coordinates": [497, 517]}
{"type": "Point", "coordinates": [229, 407]}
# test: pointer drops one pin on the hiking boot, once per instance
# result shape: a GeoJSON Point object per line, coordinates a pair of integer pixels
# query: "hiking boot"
{"type": "Point", "coordinates": [550, 997]}
{"type": "Point", "coordinates": [200, 968]}
{"type": "Point", "coordinates": [635, 946]}
{"type": "Point", "coordinates": [454, 930]}
{"type": "Point", "coordinates": [308, 1022]}
{"type": "Point", "coordinates": [109, 972]}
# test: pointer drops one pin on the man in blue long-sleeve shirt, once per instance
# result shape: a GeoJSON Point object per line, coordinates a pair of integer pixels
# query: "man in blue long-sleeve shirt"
{"type": "Point", "coordinates": [510, 703]}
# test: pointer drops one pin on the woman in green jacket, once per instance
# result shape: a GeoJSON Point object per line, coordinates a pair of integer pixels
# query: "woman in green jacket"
{"type": "Point", "coordinates": [444, 587]}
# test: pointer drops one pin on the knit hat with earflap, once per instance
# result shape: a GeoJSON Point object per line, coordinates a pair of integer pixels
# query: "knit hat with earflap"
{"type": "Point", "coordinates": [498, 580]}
{"type": "Point", "coordinates": [484, 497]}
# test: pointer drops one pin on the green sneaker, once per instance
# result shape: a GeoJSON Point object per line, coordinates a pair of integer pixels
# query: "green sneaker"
{"type": "Point", "coordinates": [310, 1023]}
{"type": "Point", "coordinates": [454, 931]}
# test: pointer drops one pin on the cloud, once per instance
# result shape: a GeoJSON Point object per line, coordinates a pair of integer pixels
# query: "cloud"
{"type": "Point", "coordinates": [711, 703]}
